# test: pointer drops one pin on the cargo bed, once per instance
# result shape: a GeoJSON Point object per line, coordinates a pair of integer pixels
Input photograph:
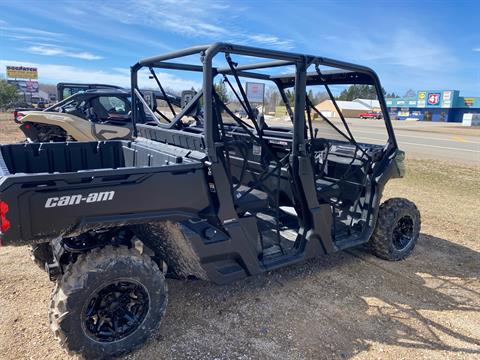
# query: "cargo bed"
{"type": "Point", "coordinates": [64, 189]}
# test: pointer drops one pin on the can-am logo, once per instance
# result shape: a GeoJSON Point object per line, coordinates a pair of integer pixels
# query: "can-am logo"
{"type": "Point", "coordinates": [433, 99]}
{"type": "Point", "coordinates": [69, 200]}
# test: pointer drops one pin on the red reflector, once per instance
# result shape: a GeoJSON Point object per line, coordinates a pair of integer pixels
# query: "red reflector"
{"type": "Point", "coordinates": [3, 207]}
{"type": "Point", "coordinates": [27, 126]}
{"type": "Point", "coordinates": [4, 222]}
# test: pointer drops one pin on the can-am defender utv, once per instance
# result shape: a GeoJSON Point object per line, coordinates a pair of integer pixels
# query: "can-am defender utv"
{"type": "Point", "coordinates": [217, 202]}
{"type": "Point", "coordinates": [92, 112]}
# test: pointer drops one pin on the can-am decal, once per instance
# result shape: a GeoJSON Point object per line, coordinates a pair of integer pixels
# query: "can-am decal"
{"type": "Point", "coordinates": [69, 200]}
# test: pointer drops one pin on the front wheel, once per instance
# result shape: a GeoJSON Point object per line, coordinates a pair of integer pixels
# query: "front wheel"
{"type": "Point", "coordinates": [397, 229]}
{"type": "Point", "coordinates": [108, 302]}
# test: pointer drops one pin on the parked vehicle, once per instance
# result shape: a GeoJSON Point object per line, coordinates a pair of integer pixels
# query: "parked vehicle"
{"type": "Point", "coordinates": [65, 89]}
{"type": "Point", "coordinates": [218, 202]}
{"type": "Point", "coordinates": [370, 115]}
{"type": "Point", "coordinates": [91, 112]}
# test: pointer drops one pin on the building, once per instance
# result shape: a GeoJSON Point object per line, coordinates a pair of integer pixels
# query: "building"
{"type": "Point", "coordinates": [349, 109]}
{"type": "Point", "coordinates": [373, 105]}
{"type": "Point", "coordinates": [433, 105]}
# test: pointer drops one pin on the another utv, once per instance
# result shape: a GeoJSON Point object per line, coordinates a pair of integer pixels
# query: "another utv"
{"type": "Point", "coordinates": [222, 201]}
{"type": "Point", "coordinates": [88, 112]}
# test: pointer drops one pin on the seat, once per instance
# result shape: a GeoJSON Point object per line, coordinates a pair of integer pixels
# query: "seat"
{"type": "Point", "coordinates": [253, 200]}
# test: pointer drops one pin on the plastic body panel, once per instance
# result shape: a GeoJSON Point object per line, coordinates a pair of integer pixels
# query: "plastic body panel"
{"type": "Point", "coordinates": [64, 189]}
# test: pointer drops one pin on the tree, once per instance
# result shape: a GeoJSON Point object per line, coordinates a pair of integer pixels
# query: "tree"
{"type": "Point", "coordinates": [410, 93]}
{"type": "Point", "coordinates": [8, 94]}
{"type": "Point", "coordinates": [222, 91]}
{"type": "Point", "coordinates": [272, 98]}
{"type": "Point", "coordinates": [392, 95]}
{"type": "Point", "coordinates": [359, 92]}
{"type": "Point", "coordinates": [291, 97]}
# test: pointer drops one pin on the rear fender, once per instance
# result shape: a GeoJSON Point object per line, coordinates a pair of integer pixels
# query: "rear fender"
{"type": "Point", "coordinates": [78, 128]}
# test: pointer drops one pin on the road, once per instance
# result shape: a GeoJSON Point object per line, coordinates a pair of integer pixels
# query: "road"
{"type": "Point", "coordinates": [423, 141]}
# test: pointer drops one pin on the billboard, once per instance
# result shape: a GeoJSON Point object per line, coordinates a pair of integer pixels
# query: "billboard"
{"type": "Point", "coordinates": [25, 86]}
{"type": "Point", "coordinates": [255, 92]}
{"type": "Point", "coordinates": [468, 102]}
{"type": "Point", "coordinates": [447, 99]}
{"type": "Point", "coordinates": [22, 72]}
{"type": "Point", "coordinates": [422, 95]}
{"type": "Point", "coordinates": [433, 99]}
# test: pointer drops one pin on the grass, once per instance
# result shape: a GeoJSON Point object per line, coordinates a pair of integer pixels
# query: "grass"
{"type": "Point", "coordinates": [447, 195]}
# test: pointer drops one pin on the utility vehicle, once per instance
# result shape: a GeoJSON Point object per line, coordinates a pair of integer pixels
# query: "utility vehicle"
{"type": "Point", "coordinates": [88, 112]}
{"type": "Point", "coordinates": [221, 201]}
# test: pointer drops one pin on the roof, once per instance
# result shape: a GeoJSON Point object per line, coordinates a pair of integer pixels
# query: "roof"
{"type": "Point", "coordinates": [348, 105]}
{"type": "Point", "coordinates": [369, 102]}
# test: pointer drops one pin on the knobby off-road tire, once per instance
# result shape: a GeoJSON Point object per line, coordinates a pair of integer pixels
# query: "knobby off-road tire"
{"type": "Point", "coordinates": [397, 229]}
{"type": "Point", "coordinates": [107, 303]}
{"type": "Point", "coordinates": [41, 254]}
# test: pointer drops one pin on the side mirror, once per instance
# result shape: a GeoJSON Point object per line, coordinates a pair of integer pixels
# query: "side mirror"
{"type": "Point", "coordinates": [186, 97]}
{"type": "Point", "coordinates": [150, 99]}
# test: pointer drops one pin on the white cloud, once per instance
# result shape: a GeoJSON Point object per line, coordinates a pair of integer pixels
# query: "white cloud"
{"type": "Point", "coordinates": [476, 49]}
{"type": "Point", "coordinates": [54, 73]}
{"type": "Point", "coordinates": [54, 50]}
{"type": "Point", "coordinates": [211, 20]}
{"type": "Point", "coordinates": [33, 33]}
{"type": "Point", "coordinates": [404, 48]}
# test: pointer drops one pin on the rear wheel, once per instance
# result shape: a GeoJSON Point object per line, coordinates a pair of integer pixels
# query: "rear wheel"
{"type": "Point", "coordinates": [397, 229]}
{"type": "Point", "coordinates": [108, 302]}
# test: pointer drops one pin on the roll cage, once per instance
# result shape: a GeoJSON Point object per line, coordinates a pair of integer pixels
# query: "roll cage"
{"type": "Point", "coordinates": [344, 73]}
{"type": "Point", "coordinates": [266, 173]}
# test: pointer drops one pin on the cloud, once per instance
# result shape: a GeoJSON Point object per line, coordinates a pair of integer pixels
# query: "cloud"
{"type": "Point", "coordinates": [405, 48]}
{"type": "Point", "coordinates": [271, 40]}
{"type": "Point", "coordinates": [54, 50]}
{"type": "Point", "coordinates": [28, 32]}
{"type": "Point", "coordinates": [54, 73]}
{"type": "Point", "coordinates": [212, 20]}
{"type": "Point", "coordinates": [476, 49]}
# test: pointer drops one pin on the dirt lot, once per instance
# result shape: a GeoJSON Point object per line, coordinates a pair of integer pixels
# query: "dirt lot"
{"type": "Point", "coordinates": [349, 305]}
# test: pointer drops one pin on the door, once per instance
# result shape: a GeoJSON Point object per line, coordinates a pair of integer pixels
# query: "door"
{"type": "Point", "coordinates": [111, 116]}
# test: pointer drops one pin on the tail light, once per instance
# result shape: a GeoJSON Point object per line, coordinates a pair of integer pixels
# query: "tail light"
{"type": "Point", "coordinates": [4, 222]}
{"type": "Point", "coordinates": [17, 115]}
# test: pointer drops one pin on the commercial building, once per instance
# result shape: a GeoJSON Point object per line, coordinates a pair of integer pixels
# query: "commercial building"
{"type": "Point", "coordinates": [433, 105]}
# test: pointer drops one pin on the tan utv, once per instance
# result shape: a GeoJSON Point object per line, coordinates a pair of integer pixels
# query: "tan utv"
{"type": "Point", "coordinates": [90, 113]}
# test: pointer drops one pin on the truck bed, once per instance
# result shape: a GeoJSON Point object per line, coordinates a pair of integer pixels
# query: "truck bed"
{"type": "Point", "coordinates": [65, 189]}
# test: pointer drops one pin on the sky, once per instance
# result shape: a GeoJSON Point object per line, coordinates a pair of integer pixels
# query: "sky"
{"type": "Point", "coordinates": [430, 44]}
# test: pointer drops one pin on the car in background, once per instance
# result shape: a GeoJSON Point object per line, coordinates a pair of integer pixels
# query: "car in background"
{"type": "Point", "coordinates": [371, 115]}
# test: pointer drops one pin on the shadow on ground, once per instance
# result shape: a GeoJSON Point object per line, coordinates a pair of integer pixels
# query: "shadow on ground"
{"type": "Point", "coordinates": [334, 307]}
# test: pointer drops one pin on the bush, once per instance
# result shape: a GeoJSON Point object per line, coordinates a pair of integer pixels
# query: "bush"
{"type": "Point", "coordinates": [8, 95]}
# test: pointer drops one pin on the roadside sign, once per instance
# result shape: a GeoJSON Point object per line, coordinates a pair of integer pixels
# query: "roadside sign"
{"type": "Point", "coordinates": [255, 92]}
{"type": "Point", "coordinates": [22, 72]}
{"type": "Point", "coordinates": [421, 99]}
{"type": "Point", "coordinates": [433, 99]}
{"type": "Point", "coordinates": [25, 86]}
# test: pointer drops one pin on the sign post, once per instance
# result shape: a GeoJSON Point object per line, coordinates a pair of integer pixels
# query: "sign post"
{"type": "Point", "coordinates": [256, 93]}
{"type": "Point", "coordinates": [28, 82]}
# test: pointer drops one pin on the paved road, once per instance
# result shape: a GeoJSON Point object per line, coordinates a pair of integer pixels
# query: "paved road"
{"type": "Point", "coordinates": [422, 143]}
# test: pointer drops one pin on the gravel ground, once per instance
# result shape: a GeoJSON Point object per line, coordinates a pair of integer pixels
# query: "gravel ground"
{"type": "Point", "coordinates": [349, 305]}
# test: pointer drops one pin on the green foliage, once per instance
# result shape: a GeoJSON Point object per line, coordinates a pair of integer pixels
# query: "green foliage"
{"type": "Point", "coordinates": [359, 92]}
{"type": "Point", "coordinates": [290, 96]}
{"type": "Point", "coordinates": [221, 90]}
{"type": "Point", "coordinates": [392, 95]}
{"type": "Point", "coordinates": [8, 94]}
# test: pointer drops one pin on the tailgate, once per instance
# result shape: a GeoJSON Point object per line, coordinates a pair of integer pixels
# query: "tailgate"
{"type": "Point", "coordinates": [45, 207]}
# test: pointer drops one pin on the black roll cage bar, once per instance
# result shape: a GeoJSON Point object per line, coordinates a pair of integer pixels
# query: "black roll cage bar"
{"type": "Point", "coordinates": [348, 74]}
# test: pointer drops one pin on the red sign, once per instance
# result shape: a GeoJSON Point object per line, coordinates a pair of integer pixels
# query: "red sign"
{"type": "Point", "coordinates": [433, 99]}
